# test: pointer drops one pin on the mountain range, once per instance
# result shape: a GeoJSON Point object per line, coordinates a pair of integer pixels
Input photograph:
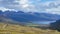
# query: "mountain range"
{"type": "Point", "coordinates": [27, 17]}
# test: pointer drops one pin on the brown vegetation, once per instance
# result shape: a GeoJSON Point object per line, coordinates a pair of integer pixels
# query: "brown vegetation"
{"type": "Point", "coordinates": [17, 29]}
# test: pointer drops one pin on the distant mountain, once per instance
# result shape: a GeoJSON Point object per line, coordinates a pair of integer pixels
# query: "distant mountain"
{"type": "Point", "coordinates": [30, 17]}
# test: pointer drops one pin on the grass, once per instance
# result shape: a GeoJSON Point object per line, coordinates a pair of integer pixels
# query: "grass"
{"type": "Point", "coordinates": [18, 29]}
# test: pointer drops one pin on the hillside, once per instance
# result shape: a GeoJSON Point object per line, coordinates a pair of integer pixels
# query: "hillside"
{"type": "Point", "coordinates": [18, 29]}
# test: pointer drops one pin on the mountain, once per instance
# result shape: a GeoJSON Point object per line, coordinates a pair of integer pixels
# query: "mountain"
{"type": "Point", "coordinates": [48, 16]}
{"type": "Point", "coordinates": [55, 25]}
{"type": "Point", "coordinates": [29, 17]}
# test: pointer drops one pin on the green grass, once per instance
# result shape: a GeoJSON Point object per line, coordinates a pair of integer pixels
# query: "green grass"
{"type": "Point", "coordinates": [17, 29]}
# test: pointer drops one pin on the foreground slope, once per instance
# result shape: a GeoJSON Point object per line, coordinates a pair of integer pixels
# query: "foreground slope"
{"type": "Point", "coordinates": [18, 29]}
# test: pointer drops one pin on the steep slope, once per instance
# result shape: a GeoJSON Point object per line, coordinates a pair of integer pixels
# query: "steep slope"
{"type": "Point", "coordinates": [55, 25]}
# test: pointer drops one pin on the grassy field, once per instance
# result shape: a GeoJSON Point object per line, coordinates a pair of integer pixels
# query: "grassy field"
{"type": "Point", "coordinates": [17, 29]}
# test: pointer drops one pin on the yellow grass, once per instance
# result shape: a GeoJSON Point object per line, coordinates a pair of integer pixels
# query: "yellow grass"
{"type": "Point", "coordinates": [17, 29]}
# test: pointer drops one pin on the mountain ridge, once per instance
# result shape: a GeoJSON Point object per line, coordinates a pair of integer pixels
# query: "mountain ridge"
{"type": "Point", "coordinates": [21, 16]}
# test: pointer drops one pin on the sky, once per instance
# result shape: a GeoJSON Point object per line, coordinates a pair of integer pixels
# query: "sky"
{"type": "Point", "coordinates": [45, 6]}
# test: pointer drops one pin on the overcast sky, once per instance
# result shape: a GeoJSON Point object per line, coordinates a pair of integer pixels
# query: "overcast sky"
{"type": "Point", "coordinates": [48, 6]}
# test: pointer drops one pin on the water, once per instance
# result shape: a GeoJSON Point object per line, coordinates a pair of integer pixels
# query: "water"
{"type": "Point", "coordinates": [43, 22]}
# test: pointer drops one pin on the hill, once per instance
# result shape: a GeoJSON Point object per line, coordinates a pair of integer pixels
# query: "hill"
{"type": "Point", "coordinates": [55, 25]}
{"type": "Point", "coordinates": [18, 29]}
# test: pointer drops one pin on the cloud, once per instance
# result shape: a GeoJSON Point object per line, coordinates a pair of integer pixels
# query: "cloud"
{"type": "Point", "coordinates": [45, 6]}
{"type": "Point", "coordinates": [4, 9]}
{"type": "Point", "coordinates": [53, 10]}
